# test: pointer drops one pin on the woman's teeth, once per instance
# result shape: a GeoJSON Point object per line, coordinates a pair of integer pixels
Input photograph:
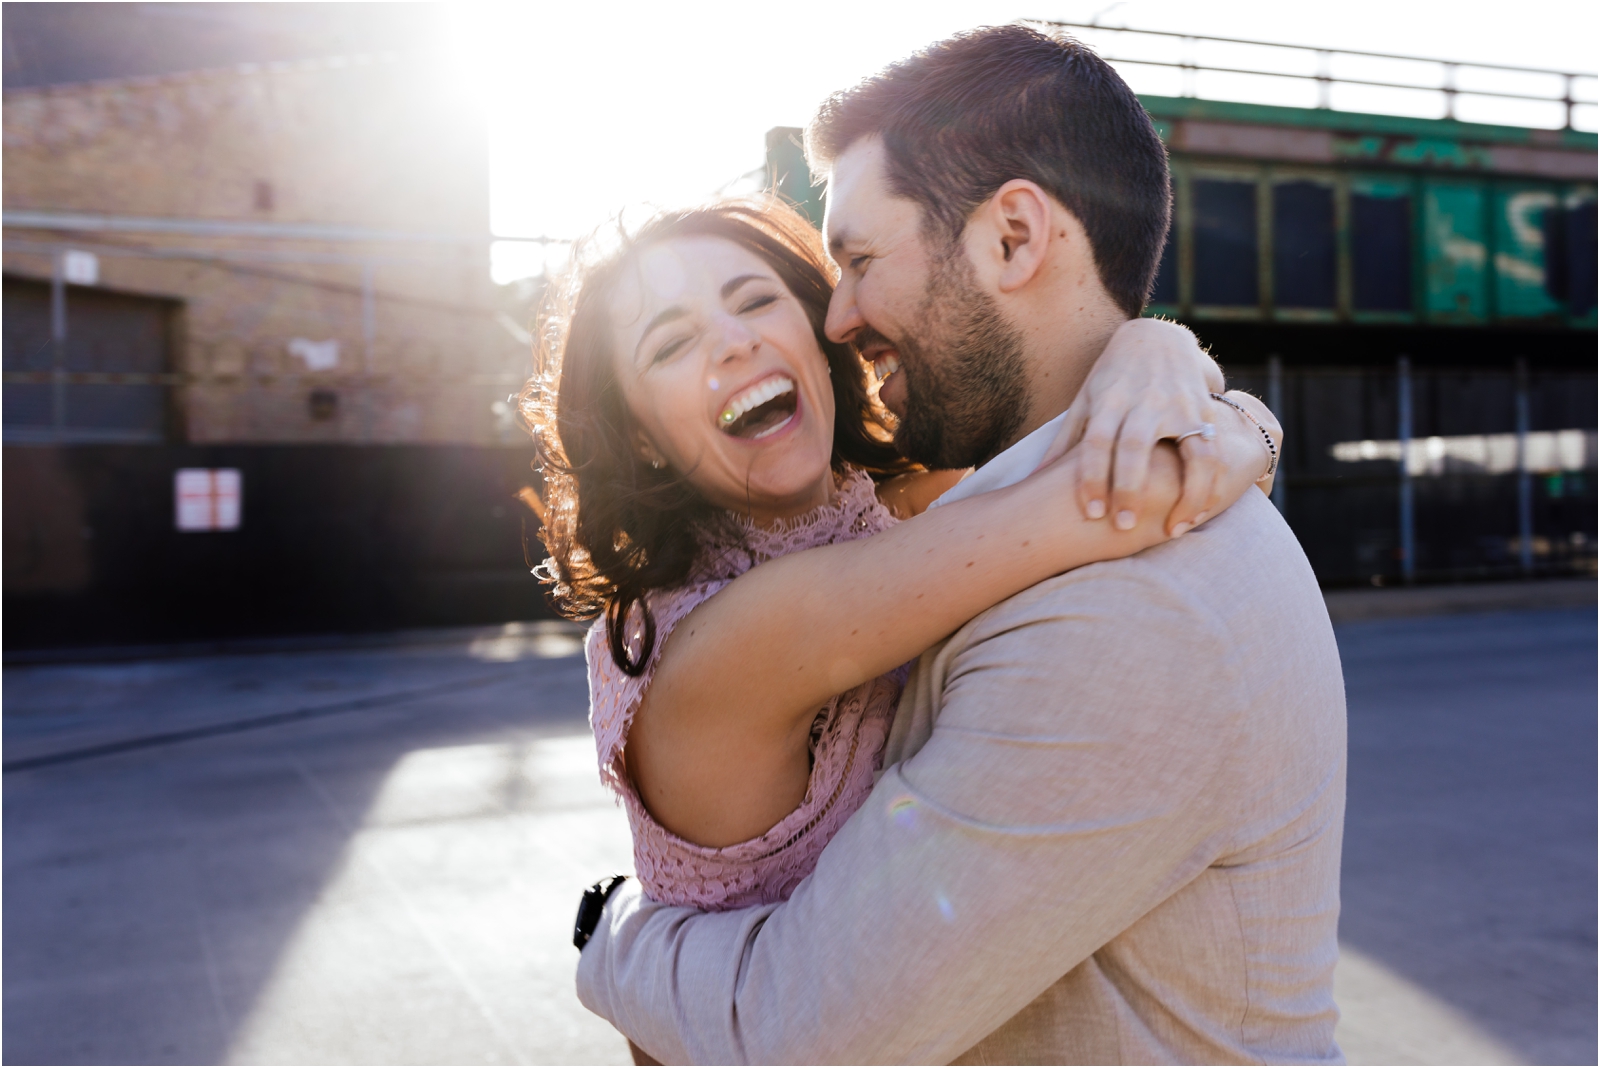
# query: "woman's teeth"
{"type": "Point", "coordinates": [885, 366]}
{"type": "Point", "coordinates": [754, 397]}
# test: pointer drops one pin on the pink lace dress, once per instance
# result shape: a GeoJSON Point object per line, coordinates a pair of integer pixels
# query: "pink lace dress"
{"type": "Point", "coordinates": [847, 738]}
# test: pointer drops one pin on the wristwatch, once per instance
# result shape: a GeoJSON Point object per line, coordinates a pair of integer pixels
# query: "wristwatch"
{"type": "Point", "coordinates": [592, 905]}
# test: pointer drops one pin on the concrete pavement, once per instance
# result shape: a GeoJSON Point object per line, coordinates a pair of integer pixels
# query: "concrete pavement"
{"type": "Point", "coordinates": [1469, 861]}
{"type": "Point", "coordinates": [373, 855]}
{"type": "Point", "coordinates": [386, 884]}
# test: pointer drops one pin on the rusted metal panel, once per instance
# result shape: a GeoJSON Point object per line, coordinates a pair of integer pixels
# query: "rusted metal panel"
{"type": "Point", "coordinates": [1430, 152]}
{"type": "Point", "coordinates": [1545, 163]}
{"type": "Point", "coordinates": [1254, 142]}
{"type": "Point", "coordinates": [1456, 251]}
{"type": "Point", "coordinates": [1297, 135]}
{"type": "Point", "coordinates": [1173, 109]}
{"type": "Point", "coordinates": [1398, 244]}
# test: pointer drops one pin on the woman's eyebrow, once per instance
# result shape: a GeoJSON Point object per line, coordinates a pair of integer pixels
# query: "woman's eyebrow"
{"type": "Point", "coordinates": [734, 283]}
{"type": "Point", "coordinates": [665, 315]}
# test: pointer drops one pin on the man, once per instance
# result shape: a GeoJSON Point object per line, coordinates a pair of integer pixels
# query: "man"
{"type": "Point", "coordinates": [1110, 821]}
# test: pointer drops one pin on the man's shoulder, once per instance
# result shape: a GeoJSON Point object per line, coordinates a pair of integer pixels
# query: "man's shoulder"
{"type": "Point", "coordinates": [1243, 569]}
{"type": "Point", "coordinates": [1226, 621]}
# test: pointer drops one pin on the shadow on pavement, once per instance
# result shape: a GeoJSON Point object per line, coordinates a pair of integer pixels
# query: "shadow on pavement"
{"type": "Point", "coordinates": [344, 889]}
{"type": "Point", "coordinates": [1469, 859]}
{"type": "Point", "coordinates": [394, 882]}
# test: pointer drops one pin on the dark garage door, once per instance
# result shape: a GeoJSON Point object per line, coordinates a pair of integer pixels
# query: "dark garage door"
{"type": "Point", "coordinates": [106, 333]}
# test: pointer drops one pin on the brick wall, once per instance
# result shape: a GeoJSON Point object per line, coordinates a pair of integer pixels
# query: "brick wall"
{"type": "Point", "coordinates": [379, 143]}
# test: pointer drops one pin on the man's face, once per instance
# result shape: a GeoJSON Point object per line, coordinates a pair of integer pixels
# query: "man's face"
{"type": "Point", "coordinates": [951, 364]}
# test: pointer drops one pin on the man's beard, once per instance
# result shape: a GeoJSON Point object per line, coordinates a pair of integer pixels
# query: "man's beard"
{"type": "Point", "coordinates": [966, 381]}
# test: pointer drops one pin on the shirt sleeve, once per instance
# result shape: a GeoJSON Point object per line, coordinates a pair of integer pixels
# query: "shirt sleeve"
{"type": "Point", "coordinates": [1058, 799]}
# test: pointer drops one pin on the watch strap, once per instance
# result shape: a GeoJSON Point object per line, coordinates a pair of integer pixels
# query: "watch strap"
{"type": "Point", "coordinates": [591, 908]}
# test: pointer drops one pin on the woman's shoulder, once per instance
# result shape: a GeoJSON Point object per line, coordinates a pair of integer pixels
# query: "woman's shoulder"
{"type": "Point", "coordinates": [614, 694]}
{"type": "Point", "coordinates": [667, 609]}
{"type": "Point", "coordinates": [910, 494]}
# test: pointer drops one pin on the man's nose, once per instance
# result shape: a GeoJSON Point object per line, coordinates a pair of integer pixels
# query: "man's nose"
{"type": "Point", "coordinates": [844, 319]}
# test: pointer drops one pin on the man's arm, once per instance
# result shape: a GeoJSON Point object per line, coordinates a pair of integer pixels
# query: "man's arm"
{"type": "Point", "coordinates": [1065, 792]}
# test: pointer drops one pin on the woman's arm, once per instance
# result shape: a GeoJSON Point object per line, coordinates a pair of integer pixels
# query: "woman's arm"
{"type": "Point", "coordinates": [712, 749]}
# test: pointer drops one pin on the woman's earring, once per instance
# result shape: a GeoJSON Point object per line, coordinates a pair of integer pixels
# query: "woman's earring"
{"type": "Point", "coordinates": [655, 462]}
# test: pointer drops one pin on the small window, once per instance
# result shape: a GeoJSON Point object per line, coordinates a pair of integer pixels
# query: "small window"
{"type": "Point", "coordinates": [208, 498]}
{"type": "Point", "coordinates": [1553, 228]}
{"type": "Point", "coordinates": [1303, 252]}
{"type": "Point", "coordinates": [80, 268]}
{"type": "Point", "coordinates": [1225, 261]}
{"type": "Point", "coordinates": [1580, 257]}
{"type": "Point", "coordinates": [1380, 252]}
{"type": "Point", "coordinates": [323, 404]}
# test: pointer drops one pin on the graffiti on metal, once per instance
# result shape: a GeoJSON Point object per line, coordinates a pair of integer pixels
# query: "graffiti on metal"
{"type": "Point", "coordinates": [1456, 252]}
{"type": "Point", "coordinates": [1413, 152]}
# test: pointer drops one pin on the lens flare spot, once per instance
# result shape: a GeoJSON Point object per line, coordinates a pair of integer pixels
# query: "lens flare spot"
{"type": "Point", "coordinates": [714, 384]}
{"type": "Point", "coordinates": [903, 810]}
{"type": "Point", "coordinates": [947, 910]}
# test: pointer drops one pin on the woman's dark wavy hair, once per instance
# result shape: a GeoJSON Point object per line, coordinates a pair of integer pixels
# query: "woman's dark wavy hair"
{"type": "Point", "coordinates": [616, 528]}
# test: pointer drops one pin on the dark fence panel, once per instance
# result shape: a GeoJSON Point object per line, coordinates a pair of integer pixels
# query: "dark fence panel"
{"type": "Point", "coordinates": [333, 538]}
{"type": "Point", "coordinates": [338, 537]}
{"type": "Point", "coordinates": [1346, 511]}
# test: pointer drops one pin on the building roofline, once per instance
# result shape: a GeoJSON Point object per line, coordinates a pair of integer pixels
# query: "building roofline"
{"type": "Point", "coordinates": [1173, 107]}
{"type": "Point", "coordinates": [280, 66]}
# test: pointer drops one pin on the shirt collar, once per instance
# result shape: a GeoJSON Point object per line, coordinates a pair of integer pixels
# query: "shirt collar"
{"type": "Point", "coordinates": [1007, 469]}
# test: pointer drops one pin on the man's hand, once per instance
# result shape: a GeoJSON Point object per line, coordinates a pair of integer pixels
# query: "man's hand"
{"type": "Point", "coordinates": [1152, 382]}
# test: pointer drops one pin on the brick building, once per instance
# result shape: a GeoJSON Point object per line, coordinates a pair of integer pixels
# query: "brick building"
{"type": "Point", "coordinates": [308, 238]}
{"type": "Point", "coordinates": [275, 265]}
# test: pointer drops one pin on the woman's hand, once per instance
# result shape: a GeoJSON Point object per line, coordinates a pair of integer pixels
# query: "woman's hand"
{"type": "Point", "coordinates": [1153, 382]}
{"type": "Point", "coordinates": [1242, 460]}
{"type": "Point", "coordinates": [1263, 415]}
{"type": "Point", "coordinates": [1243, 457]}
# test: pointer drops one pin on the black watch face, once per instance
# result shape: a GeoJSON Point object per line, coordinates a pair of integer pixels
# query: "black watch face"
{"type": "Point", "coordinates": [592, 906]}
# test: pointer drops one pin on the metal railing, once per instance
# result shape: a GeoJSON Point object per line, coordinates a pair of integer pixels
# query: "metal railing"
{"type": "Point", "coordinates": [1324, 77]}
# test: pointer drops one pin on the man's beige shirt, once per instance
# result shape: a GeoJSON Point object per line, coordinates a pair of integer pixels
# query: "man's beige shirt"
{"type": "Point", "coordinates": [1110, 834]}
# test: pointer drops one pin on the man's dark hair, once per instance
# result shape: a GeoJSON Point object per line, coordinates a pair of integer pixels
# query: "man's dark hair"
{"type": "Point", "coordinates": [964, 116]}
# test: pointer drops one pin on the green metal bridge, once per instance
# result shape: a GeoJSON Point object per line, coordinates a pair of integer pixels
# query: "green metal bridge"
{"type": "Point", "coordinates": [1313, 216]}
{"type": "Point", "coordinates": [1415, 298]}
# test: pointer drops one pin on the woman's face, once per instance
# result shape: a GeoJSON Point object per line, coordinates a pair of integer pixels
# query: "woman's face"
{"type": "Point", "coordinates": [723, 374]}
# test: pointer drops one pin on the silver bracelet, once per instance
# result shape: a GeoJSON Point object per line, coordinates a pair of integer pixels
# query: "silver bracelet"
{"type": "Point", "coordinates": [1272, 446]}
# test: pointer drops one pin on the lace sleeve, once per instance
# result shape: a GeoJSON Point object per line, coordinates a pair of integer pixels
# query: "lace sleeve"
{"type": "Point", "coordinates": [614, 696]}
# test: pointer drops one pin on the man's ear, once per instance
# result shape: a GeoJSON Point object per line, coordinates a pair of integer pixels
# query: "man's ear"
{"type": "Point", "coordinates": [1019, 218]}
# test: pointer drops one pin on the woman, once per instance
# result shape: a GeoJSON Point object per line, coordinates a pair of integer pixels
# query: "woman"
{"type": "Point", "coordinates": [693, 423]}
